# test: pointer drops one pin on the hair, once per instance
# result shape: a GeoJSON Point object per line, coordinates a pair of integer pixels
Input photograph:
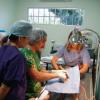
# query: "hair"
{"type": "Point", "coordinates": [37, 35]}
{"type": "Point", "coordinates": [4, 40]}
{"type": "Point", "coordinates": [79, 47]}
{"type": "Point", "coordinates": [13, 38]}
{"type": "Point", "coordinates": [7, 39]}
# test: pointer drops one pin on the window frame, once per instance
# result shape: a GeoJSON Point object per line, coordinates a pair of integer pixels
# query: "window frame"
{"type": "Point", "coordinates": [62, 20]}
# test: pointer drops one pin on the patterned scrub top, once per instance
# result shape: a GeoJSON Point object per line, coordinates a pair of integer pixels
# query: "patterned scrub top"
{"type": "Point", "coordinates": [33, 87]}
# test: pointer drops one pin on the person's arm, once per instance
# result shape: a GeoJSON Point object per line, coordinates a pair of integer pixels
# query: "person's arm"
{"type": "Point", "coordinates": [44, 70]}
{"type": "Point", "coordinates": [54, 62]}
{"type": "Point", "coordinates": [4, 91]}
{"type": "Point", "coordinates": [60, 67]}
{"type": "Point", "coordinates": [86, 61]}
{"type": "Point", "coordinates": [55, 58]}
{"type": "Point", "coordinates": [43, 76]}
{"type": "Point", "coordinates": [84, 68]}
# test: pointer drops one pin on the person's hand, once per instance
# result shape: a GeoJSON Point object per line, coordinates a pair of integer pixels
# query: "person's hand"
{"type": "Point", "coordinates": [60, 67]}
{"type": "Point", "coordinates": [62, 75]}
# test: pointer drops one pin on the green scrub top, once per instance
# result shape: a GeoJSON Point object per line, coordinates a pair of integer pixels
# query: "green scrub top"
{"type": "Point", "coordinates": [33, 87]}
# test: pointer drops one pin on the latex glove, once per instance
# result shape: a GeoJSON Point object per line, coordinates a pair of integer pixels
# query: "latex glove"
{"type": "Point", "coordinates": [62, 75]}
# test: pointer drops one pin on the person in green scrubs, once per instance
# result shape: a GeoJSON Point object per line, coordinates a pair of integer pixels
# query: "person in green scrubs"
{"type": "Point", "coordinates": [35, 74]}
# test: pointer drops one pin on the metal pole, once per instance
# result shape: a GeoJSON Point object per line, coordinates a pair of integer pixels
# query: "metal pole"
{"type": "Point", "coordinates": [97, 84]}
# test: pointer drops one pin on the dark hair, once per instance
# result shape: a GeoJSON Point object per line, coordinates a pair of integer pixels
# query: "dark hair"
{"type": "Point", "coordinates": [4, 40]}
{"type": "Point", "coordinates": [13, 38]}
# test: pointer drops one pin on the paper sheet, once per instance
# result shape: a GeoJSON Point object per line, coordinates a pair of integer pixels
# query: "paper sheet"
{"type": "Point", "coordinates": [72, 85]}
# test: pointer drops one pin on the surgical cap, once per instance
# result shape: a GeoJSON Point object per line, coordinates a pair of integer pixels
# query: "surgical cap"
{"type": "Point", "coordinates": [75, 37]}
{"type": "Point", "coordinates": [37, 35]}
{"type": "Point", "coordinates": [21, 28]}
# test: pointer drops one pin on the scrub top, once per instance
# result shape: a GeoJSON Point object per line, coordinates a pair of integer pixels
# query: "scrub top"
{"type": "Point", "coordinates": [33, 87]}
{"type": "Point", "coordinates": [71, 59]}
{"type": "Point", "coordinates": [74, 58]}
{"type": "Point", "coordinates": [13, 72]}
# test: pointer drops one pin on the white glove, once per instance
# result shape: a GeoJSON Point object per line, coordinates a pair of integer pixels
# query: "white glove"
{"type": "Point", "coordinates": [62, 75]}
{"type": "Point", "coordinates": [57, 71]}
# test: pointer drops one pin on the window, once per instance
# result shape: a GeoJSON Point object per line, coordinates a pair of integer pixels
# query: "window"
{"type": "Point", "coordinates": [55, 16]}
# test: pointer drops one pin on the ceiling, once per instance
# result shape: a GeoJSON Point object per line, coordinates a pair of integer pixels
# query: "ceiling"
{"type": "Point", "coordinates": [56, 0]}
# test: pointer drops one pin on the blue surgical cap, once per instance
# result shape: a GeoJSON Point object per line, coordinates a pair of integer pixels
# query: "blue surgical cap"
{"type": "Point", "coordinates": [21, 28]}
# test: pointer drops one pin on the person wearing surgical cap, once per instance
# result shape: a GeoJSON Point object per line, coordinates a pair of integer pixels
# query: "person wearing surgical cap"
{"type": "Point", "coordinates": [2, 37]}
{"type": "Point", "coordinates": [13, 63]}
{"type": "Point", "coordinates": [74, 53]}
{"type": "Point", "coordinates": [43, 34]}
{"type": "Point", "coordinates": [35, 73]}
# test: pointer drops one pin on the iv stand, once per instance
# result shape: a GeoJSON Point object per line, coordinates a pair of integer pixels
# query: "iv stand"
{"type": "Point", "coordinates": [52, 48]}
{"type": "Point", "coordinates": [96, 70]}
